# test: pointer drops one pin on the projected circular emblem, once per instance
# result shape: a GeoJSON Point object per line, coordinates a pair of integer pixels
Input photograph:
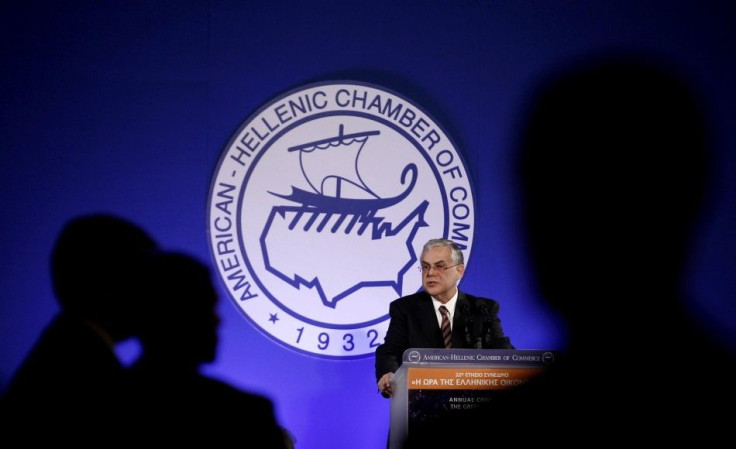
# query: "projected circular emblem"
{"type": "Point", "coordinates": [318, 208]}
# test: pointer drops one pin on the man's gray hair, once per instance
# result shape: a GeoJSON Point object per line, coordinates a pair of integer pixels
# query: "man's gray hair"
{"type": "Point", "coordinates": [455, 251]}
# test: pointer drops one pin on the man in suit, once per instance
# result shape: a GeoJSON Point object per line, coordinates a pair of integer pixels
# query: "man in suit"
{"type": "Point", "coordinates": [416, 319]}
{"type": "Point", "coordinates": [71, 382]}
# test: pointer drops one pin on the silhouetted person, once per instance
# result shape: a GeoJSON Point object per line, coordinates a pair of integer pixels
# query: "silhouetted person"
{"type": "Point", "coordinates": [175, 402]}
{"type": "Point", "coordinates": [614, 163]}
{"type": "Point", "coordinates": [70, 384]}
{"type": "Point", "coordinates": [614, 166]}
{"type": "Point", "coordinates": [289, 438]}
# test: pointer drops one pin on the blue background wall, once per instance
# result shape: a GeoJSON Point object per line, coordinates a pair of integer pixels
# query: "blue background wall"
{"type": "Point", "coordinates": [125, 106]}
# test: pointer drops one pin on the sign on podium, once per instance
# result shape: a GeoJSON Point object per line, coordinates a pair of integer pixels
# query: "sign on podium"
{"type": "Point", "coordinates": [433, 384]}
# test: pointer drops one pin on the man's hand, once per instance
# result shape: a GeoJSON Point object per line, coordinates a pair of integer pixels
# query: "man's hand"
{"type": "Point", "coordinates": [384, 385]}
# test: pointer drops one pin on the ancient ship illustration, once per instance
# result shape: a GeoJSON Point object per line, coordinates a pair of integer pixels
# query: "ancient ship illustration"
{"type": "Point", "coordinates": [330, 166]}
{"type": "Point", "coordinates": [341, 210]}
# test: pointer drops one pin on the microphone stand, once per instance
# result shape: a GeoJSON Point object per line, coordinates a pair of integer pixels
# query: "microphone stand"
{"type": "Point", "coordinates": [468, 325]}
{"type": "Point", "coordinates": [478, 336]}
{"type": "Point", "coordinates": [487, 319]}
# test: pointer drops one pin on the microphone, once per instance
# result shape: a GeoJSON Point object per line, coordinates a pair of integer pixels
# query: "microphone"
{"type": "Point", "coordinates": [478, 343]}
{"type": "Point", "coordinates": [468, 324]}
{"type": "Point", "coordinates": [486, 328]}
{"type": "Point", "coordinates": [477, 330]}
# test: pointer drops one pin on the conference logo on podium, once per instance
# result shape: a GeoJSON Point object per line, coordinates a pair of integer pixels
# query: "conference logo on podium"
{"type": "Point", "coordinates": [319, 206]}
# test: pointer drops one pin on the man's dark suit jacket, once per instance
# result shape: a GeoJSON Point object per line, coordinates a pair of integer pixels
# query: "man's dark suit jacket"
{"type": "Point", "coordinates": [414, 325]}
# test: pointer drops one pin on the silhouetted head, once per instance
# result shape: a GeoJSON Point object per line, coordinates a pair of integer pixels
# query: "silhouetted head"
{"type": "Point", "coordinates": [613, 170]}
{"type": "Point", "coordinates": [97, 268]}
{"type": "Point", "coordinates": [180, 320]}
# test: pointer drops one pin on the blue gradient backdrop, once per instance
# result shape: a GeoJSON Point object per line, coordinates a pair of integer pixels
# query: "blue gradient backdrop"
{"type": "Point", "coordinates": [125, 106]}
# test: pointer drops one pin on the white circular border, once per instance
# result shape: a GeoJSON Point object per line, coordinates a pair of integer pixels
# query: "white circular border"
{"type": "Point", "coordinates": [240, 158]}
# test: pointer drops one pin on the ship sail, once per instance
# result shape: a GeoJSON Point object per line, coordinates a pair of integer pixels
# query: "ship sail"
{"type": "Point", "coordinates": [328, 164]}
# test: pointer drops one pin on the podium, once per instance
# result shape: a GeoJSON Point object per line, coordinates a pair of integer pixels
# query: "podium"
{"type": "Point", "coordinates": [432, 385]}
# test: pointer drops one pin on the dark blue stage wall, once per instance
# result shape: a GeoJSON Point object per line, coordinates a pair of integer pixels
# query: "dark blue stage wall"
{"type": "Point", "coordinates": [135, 107]}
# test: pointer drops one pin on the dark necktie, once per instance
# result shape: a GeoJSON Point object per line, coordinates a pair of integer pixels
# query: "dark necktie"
{"type": "Point", "coordinates": [446, 332]}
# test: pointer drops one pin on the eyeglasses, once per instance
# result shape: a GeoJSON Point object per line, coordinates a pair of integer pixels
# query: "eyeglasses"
{"type": "Point", "coordinates": [440, 267]}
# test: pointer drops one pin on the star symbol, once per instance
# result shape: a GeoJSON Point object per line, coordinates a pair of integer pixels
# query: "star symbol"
{"type": "Point", "coordinates": [273, 318]}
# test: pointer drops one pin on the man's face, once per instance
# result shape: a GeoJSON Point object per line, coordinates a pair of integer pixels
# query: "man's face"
{"type": "Point", "coordinates": [438, 282]}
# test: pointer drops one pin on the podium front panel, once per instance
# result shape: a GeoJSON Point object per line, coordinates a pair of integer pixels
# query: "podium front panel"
{"type": "Point", "coordinates": [435, 384]}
